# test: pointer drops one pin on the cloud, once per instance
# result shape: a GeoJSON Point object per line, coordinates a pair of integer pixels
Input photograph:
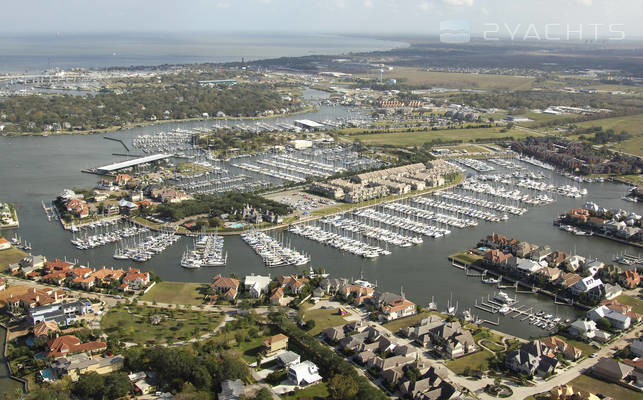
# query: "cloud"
{"type": "Point", "coordinates": [223, 4]}
{"type": "Point", "coordinates": [586, 3]}
{"type": "Point", "coordinates": [458, 3]}
{"type": "Point", "coordinates": [425, 6]}
{"type": "Point", "coordinates": [368, 3]}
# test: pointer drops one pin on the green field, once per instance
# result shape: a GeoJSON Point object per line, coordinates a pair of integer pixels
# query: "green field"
{"type": "Point", "coordinates": [324, 319]}
{"type": "Point", "coordinates": [249, 347]}
{"type": "Point", "coordinates": [315, 392]}
{"type": "Point", "coordinates": [418, 138]}
{"type": "Point", "coordinates": [631, 123]}
{"type": "Point", "coordinates": [419, 77]}
{"type": "Point", "coordinates": [465, 258]}
{"type": "Point", "coordinates": [630, 146]}
{"type": "Point", "coordinates": [10, 256]}
{"type": "Point", "coordinates": [132, 324]}
{"type": "Point", "coordinates": [597, 386]}
{"type": "Point", "coordinates": [176, 293]}
{"type": "Point", "coordinates": [479, 360]}
{"type": "Point", "coordinates": [637, 305]}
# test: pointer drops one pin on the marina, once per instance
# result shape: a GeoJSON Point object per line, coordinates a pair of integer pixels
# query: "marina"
{"type": "Point", "coordinates": [207, 251]}
{"type": "Point", "coordinates": [272, 252]}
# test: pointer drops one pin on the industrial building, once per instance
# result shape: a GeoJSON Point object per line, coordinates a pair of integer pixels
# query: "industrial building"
{"type": "Point", "coordinates": [111, 168]}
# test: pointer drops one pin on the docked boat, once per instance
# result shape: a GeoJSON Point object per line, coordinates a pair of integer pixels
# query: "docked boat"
{"type": "Point", "coordinates": [503, 298]}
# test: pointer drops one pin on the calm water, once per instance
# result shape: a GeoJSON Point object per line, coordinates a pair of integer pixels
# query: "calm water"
{"type": "Point", "coordinates": [37, 53]}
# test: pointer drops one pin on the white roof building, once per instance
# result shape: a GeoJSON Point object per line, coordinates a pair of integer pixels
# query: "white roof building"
{"type": "Point", "coordinates": [256, 284]}
{"type": "Point", "coordinates": [304, 373]}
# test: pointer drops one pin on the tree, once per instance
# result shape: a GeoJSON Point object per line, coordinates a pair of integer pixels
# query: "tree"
{"type": "Point", "coordinates": [116, 385]}
{"type": "Point", "coordinates": [342, 387]}
{"type": "Point", "coordinates": [233, 367]}
{"type": "Point", "coordinates": [603, 324]}
{"type": "Point", "coordinates": [89, 386]}
{"type": "Point", "coordinates": [263, 394]}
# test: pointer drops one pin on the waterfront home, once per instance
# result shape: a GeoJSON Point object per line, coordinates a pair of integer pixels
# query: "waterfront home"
{"type": "Point", "coordinates": [574, 262]}
{"type": "Point", "coordinates": [358, 292]}
{"type": "Point", "coordinates": [293, 283]}
{"type": "Point", "coordinates": [398, 309]}
{"type": "Point", "coordinates": [331, 285]}
{"type": "Point", "coordinates": [4, 244]}
{"type": "Point", "coordinates": [589, 286]}
{"type": "Point", "coordinates": [540, 254]}
{"type": "Point", "coordinates": [568, 279]}
{"type": "Point", "coordinates": [169, 195]}
{"type": "Point", "coordinates": [70, 344]}
{"type": "Point", "coordinates": [617, 320]}
{"type": "Point", "coordinates": [583, 328]}
{"type": "Point", "coordinates": [304, 373]}
{"type": "Point", "coordinates": [622, 308]}
{"type": "Point", "coordinates": [275, 344]}
{"type": "Point", "coordinates": [549, 274]}
{"type": "Point", "coordinates": [423, 327]}
{"type": "Point", "coordinates": [523, 266]}
{"type": "Point", "coordinates": [531, 360]}
{"type": "Point", "coordinates": [578, 215]}
{"type": "Point", "coordinates": [452, 340]}
{"type": "Point", "coordinates": [612, 291]}
{"type": "Point", "coordinates": [224, 287]}
{"type": "Point", "coordinates": [256, 285]}
{"type": "Point", "coordinates": [126, 207]}
{"type": "Point", "coordinates": [611, 370]}
{"type": "Point", "coordinates": [78, 364]}
{"type": "Point", "coordinates": [134, 279]}
{"type": "Point", "coordinates": [497, 257]}
{"type": "Point", "coordinates": [77, 208]}
{"type": "Point", "coordinates": [522, 249]}
{"type": "Point", "coordinates": [593, 266]}
{"type": "Point", "coordinates": [629, 279]}
{"type": "Point", "coordinates": [556, 345]}
{"type": "Point", "coordinates": [557, 258]}
{"type": "Point", "coordinates": [596, 223]}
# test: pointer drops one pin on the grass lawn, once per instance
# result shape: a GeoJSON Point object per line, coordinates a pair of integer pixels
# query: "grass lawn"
{"type": "Point", "coordinates": [10, 256]}
{"type": "Point", "coordinates": [316, 392]}
{"type": "Point", "coordinates": [418, 138]}
{"type": "Point", "coordinates": [324, 319]}
{"type": "Point", "coordinates": [597, 386]}
{"type": "Point", "coordinates": [132, 324]}
{"type": "Point", "coordinates": [637, 305]}
{"type": "Point", "coordinates": [177, 293]}
{"type": "Point", "coordinates": [479, 360]}
{"type": "Point", "coordinates": [249, 347]}
{"type": "Point", "coordinates": [398, 324]}
{"type": "Point", "coordinates": [585, 348]}
{"type": "Point", "coordinates": [633, 179]}
{"type": "Point", "coordinates": [421, 77]}
{"type": "Point", "coordinates": [465, 257]}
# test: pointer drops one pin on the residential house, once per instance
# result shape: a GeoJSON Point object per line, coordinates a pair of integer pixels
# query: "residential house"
{"type": "Point", "coordinates": [334, 334]}
{"type": "Point", "coordinates": [64, 314]}
{"type": "Point", "coordinates": [393, 375]}
{"type": "Point", "coordinates": [78, 364]}
{"type": "Point", "coordinates": [293, 283]}
{"type": "Point", "coordinates": [557, 258]}
{"type": "Point", "coordinates": [135, 279]}
{"type": "Point", "coordinates": [277, 297]}
{"type": "Point", "coordinates": [452, 340]}
{"type": "Point", "coordinates": [549, 274]}
{"type": "Point", "coordinates": [422, 328]}
{"type": "Point", "coordinates": [530, 360]}
{"type": "Point", "coordinates": [573, 263]}
{"type": "Point", "coordinates": [288, 358]}
{"type": "Point", "coordinates": [70, 344]}
{"type": "Point", "coordinates": [617, 320]}
{"type": "Point", "coordinates": [224, 287]}
{"type": "Point", "coordinates": [383, 364]}
{"type": "Point", "coordinates": [556, 345]}
{"type": "Point", "coordinates": [4, 244]}
{"type": "Point", "coordinates": [304, 373]}
{"type": "Point", "coordinates": [540, 254]}
{"type": "Point", "coordinates": [589, 286]}
{"type": "Point", "coordinates": [567, 279]}
{"type": "Point", "coordinates": [358, 292]}
{"type": "Point", "coordinates": [569, 392]}
{"type": "Point", "coordinates": [231, 390]}
{"type": "Point", "coordinates": [524, 266]}
{"type": "Point", "coordinates": [611, 370]}
{"type": "Point", "coordinates": [44, 328]}
{"type": "Point", "coordinates": [398, 309]}
{"type": "Point", "coordinates": [637, 348]}
{"type": "Point", "coordinates": [275, 344]}
{"type": "Point", "coordinates": [583, 328]}
{"type": "Point", "coordinates": [256, 285]}
{"type": "Point", "coordinates": [331, 285]}
{"type": "Point", "coordinates": [432, 386]}
{"type": "Point", "coordinates": [497, 257]}
{"type": "Point", "coordinates": [630, 279]}
{"type": "Point", "coordinates": [522, 249]}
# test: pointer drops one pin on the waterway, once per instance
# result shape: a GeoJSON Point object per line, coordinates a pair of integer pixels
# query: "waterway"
{"type": "Point", "coordinates": [33, 169]}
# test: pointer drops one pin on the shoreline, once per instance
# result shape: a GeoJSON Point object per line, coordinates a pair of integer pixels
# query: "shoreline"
{"type": "Point", "coordinates": [152, 123]}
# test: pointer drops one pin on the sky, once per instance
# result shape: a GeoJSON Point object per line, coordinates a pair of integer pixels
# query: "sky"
{"type": "Point", "coordinates": [582, 19]}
